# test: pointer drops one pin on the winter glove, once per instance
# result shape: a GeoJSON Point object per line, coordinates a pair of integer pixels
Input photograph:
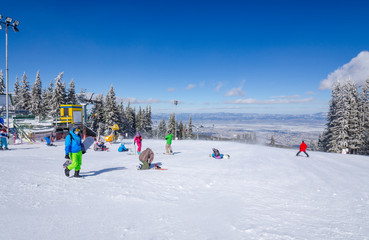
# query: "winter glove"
{"type": "Point", "coordinates": [67, 156]}
{"type": "Point", "coordinates": [83, 151]}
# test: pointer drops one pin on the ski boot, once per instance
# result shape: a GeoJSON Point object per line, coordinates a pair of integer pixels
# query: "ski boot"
{"type": "Point", "coordinates": [66, 171]}
{"type": "Point", "coordinates": [76, 174]}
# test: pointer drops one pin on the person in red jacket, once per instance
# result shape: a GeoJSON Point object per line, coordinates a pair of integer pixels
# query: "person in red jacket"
{"type": "Point", "coordinates": [303, 147]}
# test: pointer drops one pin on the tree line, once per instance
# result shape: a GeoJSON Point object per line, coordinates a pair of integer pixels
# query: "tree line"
{"type": "Point", "coordinates": [347, 120]}
{"type": "Point", "coordinates": [106, 111]}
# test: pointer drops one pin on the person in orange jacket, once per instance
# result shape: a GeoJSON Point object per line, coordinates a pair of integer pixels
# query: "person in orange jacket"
{"type": "Point", "coordinates": [303, 147]}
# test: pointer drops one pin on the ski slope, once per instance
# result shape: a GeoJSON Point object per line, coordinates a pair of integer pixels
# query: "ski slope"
{"type": "Point", "coordinates": [259, 193]}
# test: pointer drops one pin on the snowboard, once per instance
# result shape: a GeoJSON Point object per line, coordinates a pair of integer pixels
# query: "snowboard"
{"type": "Point", "coordinates": [86, 144]}
{"type": "Point", "coordinates": [225, 156]}
{"type": "Point", "coordinates": [153, 166]}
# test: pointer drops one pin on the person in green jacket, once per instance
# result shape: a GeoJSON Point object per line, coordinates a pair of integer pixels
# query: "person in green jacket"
{"type": "Point", "coordinates": [168, 147]}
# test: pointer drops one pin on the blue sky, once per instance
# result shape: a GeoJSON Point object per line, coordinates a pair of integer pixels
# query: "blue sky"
{"type": "Point", "coordinates": [211, 56]}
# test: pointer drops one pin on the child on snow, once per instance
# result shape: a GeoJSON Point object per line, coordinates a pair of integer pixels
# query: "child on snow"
{"type": "Point", "coordinates": [4, 138]}
{"type": "Point", "coordinates": [138, 139]}
{"type": "Point", "coordinates": [303, 147]}
{"type": "Point", "coordinates": [146, 157]}
{"type": "Point", "coordinates": [216, 154]}
{"type": "Point", "coordinates": [122, 148]}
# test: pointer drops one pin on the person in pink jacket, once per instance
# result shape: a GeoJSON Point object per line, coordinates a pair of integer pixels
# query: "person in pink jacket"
{"type": "Point", "coordinates": [138, 140]}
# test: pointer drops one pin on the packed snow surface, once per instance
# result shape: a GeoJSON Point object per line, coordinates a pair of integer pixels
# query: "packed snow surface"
{"type": "Point", "coordinates": [259, 193]}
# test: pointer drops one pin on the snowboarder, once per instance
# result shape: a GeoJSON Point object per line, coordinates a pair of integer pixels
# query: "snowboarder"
{"type": "Point", "coordinates": [168, 145]}
{"type": "Point", "coordinates": [138, 139]}
{"type": "Point", "coordinates": [216, 154]}
{"type": "Point", "coordinates": [4, 138]}
{"type": "Point", "coordinates": [303, 147]}
{"type": "Point", "coordinates": [73, 151]}
{"type": "Point", "coordinates": [146, 157]}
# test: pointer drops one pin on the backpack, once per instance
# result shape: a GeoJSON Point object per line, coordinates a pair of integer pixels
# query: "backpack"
{"type": "Point", "coordinates": [216, 152]}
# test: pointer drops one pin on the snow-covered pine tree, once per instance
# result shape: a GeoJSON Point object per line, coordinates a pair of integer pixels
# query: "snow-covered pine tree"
{"type": "Point", "coordinates": [47, 95]}
{"type": "Point", "coordinates": [59, 96]}
{"type": "Point", "coordinates": [111, 109]}
{"type": "Point", "coordinates": [355, 131]}
{"type": "Point", "coordinates": [339, 126]}
{"type": "Point", "coordinates": [123, 121]}
{"type": "Point", "coordinates": [162, 128]}
{"type": "Point", "coordinates": [16, 95]}
{"type": "Point", "coordinates": [140, 121]}
{"type": "Point", "coordinates": [71, 96]}
{"type": "Point", "coordinates": [180, 130]}
{"type": "Point", "coordinates": [36, 96]}
{"type": "Point", "coordinates": [172, 124]}
{"type": "Point", "coordinates": [131, 119]}
{"type": "Point", "coordinates": [326, 136]}
{"type": "Point", "coordinates": [364, 116]}
{"type": "Point", "coordinates": [2, 84]}
{"type": "Point", "coordinates": [25, 96]}
{"type": "Point", "coordinates": [190, 131]}
{"type": "Point", "coordinates": [97, 118]}
{"type": "Point", "coordinates": [148, 122]}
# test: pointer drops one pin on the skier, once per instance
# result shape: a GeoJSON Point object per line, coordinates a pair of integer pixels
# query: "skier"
{"type": "Point", "coordinates": [73, 151]}
{"type": "Point", "coordinates": [303, 147]}
{"type": "Point", "coordinates": [138, 139]}
{"type": "Point", "coordinates": [146, 157]}
{"type": "Point", "coordinates": [216, 154]}
{"type": "Point", "coordinates": [168, 147]}
{"type": "Point", "coordinates": [4, 138]}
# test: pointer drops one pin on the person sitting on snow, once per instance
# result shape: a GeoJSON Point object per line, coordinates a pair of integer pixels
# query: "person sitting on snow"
{"type": "Point", "coordinates": [303, 147]}
{"type": "Point", "coordinates": [99, 146]}
{"type": "Point", "coordinates": [216, 154]}
{"type": "Point", "coordinates": [122, 148]}
{"type": "Point", "coordinates": [146, 157]}
{"type": "Point", "coordinates": [4, 138]}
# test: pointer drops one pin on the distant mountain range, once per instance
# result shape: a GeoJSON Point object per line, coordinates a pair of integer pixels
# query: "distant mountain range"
{"type": "Point", "coordinates": [222, 117]}
{"type": "Point", "coordinates": [287, 129]}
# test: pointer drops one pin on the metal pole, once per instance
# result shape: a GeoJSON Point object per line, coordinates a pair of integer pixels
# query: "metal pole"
{"type": "Point", "coordinates": [6, 84]}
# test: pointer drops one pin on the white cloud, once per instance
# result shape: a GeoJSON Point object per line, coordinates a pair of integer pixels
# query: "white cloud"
{"type": "Point", "coordinates": [357, 70]}
{"type": "Point", "coordinates": [292, 96]}
{"type": "Point", "coordinates": [236, 91]}
{"type": "Point", "coordinates": [171, 89]}
{"type": "Point", "coordinates": [271, 101]}
{"type": "Point", "coordinates": [190, 86]}
{"type": "Point", "coordinates": [219, 86]}
{"type": "Point", "coordinates": [310, 93]}
{"type": "Point", "coordinates": [140, 101]}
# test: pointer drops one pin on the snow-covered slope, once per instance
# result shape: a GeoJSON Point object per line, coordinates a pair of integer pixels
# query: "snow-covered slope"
{"type": "Point", "coordinates": [259, 193]}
